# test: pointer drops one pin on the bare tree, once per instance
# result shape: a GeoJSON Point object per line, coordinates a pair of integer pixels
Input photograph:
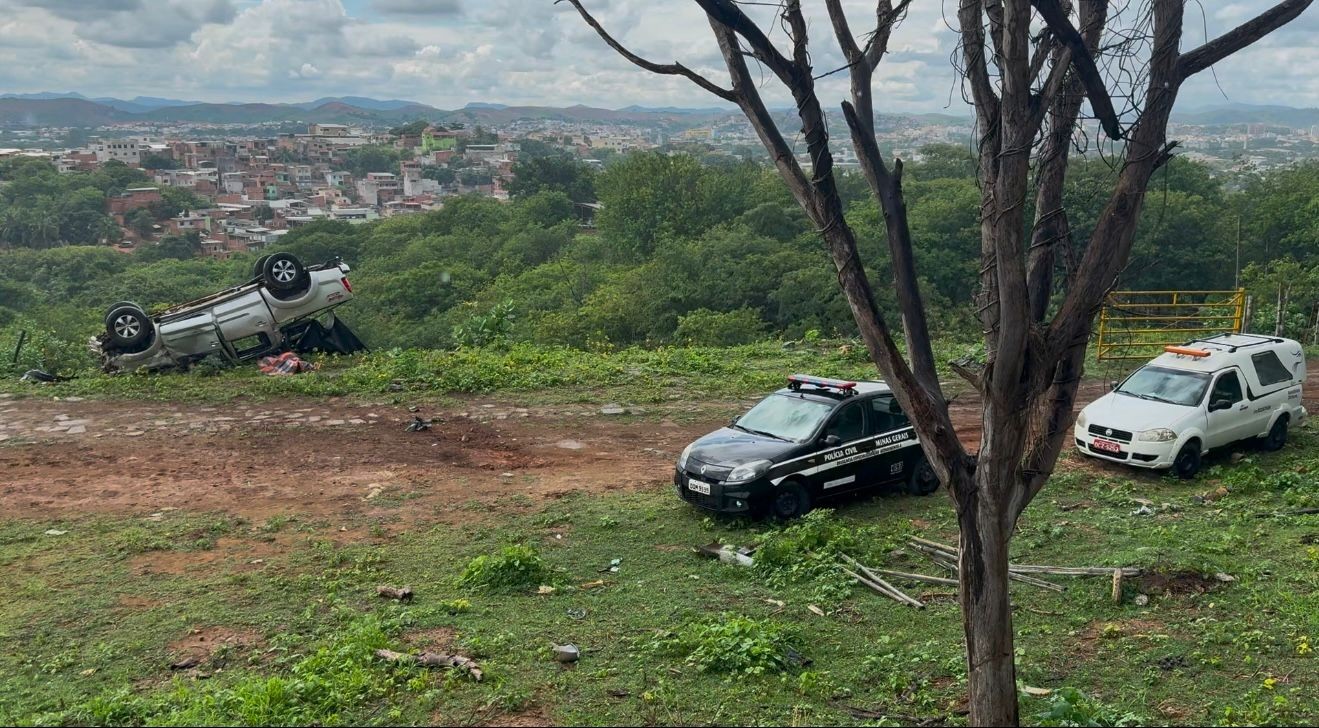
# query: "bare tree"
{"type": "Point", "coordinates": [1028, 90]}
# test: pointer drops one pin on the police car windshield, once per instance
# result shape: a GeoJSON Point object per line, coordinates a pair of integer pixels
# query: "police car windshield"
{"type": "Point", "coordinates": [1160, 384]}
{"type": "Point", "coordinates": [785, 417]}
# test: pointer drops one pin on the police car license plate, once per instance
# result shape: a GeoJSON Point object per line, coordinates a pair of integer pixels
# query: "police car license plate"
{"type": "Point", "coordinates": [697, 486]}
{"type": "Point", "coordinates": [1107, 446]}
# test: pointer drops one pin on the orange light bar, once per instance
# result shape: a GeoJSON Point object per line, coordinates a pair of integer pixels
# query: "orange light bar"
{"type": "Point", "coordinates": [1186, 351]}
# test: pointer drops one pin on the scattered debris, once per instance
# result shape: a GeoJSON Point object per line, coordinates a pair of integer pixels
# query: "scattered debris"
{"type": "Point", "coordinates": [815, 610]}
{"type": "Point", "coordinates": [434, 659]}
{"type": "Point", "coordinates": [592, 584]}
{"type": "Point", "coordinates": [1225, 578]}
{"type": "Point", "coordinates": [36, 375]}
{"type": "Point", "coordinates": [776, 602]}
{"type": "Point", "coordinates": [1117, 586]}
{"type": "Point", "coordinates": [402, 594]}
{"type": "Point", "coordinates": [576, 613]}
{"type": "Point", "coordinates": [544, 590]}
{"type": "Point", "coordinates": [567, 653]}
{"type": "Point", "coordinates": [186, 663]}
{"type": "Point", "coordinates": [1143, 511]}
{"type": "Point", "coordinates": [1036, 692]}
{"type": "Point", "coordinates": [728, 554]}
{"type": "Point", "coordinates": [613, 409]}
{"type": "Point", "coordinates": [612, 568]}
{"type": "Point", "coordinates": [55, 532]}
{"type": "Point", "coordinates": [286, 363]}
{"type": "Point", "coordinates": [1142, 600]}
{"type": "Point", "coordinates": [569, 445]}
{"type": "Point", "coordinates": [417, 425]}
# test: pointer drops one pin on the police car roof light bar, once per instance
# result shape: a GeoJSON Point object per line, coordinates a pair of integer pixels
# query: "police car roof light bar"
{"type": "Point", "coordinates": [795, 381]}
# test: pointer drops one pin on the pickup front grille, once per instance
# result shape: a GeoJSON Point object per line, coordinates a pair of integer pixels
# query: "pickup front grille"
{"type": "Point", "coordinates": [1111, 433]}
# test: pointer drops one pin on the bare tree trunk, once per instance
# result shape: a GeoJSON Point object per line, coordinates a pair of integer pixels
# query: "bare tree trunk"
{"type": "Point", "coordinates": [982, 570]}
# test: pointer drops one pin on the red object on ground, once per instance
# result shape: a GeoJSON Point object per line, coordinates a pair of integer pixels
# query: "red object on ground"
{"type": "Point", "coordinates": [286, 363]}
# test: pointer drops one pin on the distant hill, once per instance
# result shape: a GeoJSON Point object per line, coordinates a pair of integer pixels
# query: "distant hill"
{"type": "Point", "coordinates": [58, 112]}
{"type": "Point", "coordinates": [1249, 114]}
{"type": "Point", "coordinates": [360, 102]}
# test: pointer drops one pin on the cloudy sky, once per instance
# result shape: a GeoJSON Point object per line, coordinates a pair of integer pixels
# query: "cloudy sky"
{"type": "Point", "coordinates": [450, 52]}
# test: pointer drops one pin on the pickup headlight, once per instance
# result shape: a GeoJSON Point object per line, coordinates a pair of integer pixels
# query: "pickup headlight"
{"type": "Point", "coordinates": [748, 471]}
{"type": "Point", "coordinates": [1082, 421]}
{"type": "Point", "coordinates": [682, 459]}
{"type": "Point", "coordinates": [1158, 434]}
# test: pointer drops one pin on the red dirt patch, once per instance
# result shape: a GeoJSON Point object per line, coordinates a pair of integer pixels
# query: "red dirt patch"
{"type": "Point", "coordinates": [131, 601]}
{"type": "Point", "coordinates": [201, 645]}
{"type": "Point", "coordinates": [1180, 582]}
{"type": "Point", "coordinates": [438, 639]}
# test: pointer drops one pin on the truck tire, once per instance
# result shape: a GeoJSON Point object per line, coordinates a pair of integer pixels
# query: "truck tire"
{"type": "Point", "coordinates": [1187, 462]}
{"type": "Point", "coordinates": [128, 327]}
{"type": "Point", "coordinates": [284, 273]}
{"type": "Point", "coordinates": [790, 500]}
{"type": "Point", "coordinates": [922, 480]}
{"type": "Point", "coordinates": [259, 266]}
{"type": "Point", "coordinates": [1277, 436]}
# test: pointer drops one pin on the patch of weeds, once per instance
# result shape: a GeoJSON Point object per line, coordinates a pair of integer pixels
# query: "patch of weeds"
{"type": "Point", "coordinates": [732, 643]}
{"type": "Point", "coordinates": [275, 524]}
{"type": "Point", "coordinates": [322, 688]}
{"type": "Point", "coordinates": [513, 569]}
{"type": "Point", "coordinates": [454, 606]}
{"type": "Point", "coordinates": [137, 540]}
{"type": "Point", "coordinates": [1070, 707]}
{"type": "Point", "coordinates": [807, 551]}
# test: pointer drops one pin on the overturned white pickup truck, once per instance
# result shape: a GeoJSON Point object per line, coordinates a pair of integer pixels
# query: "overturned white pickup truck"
{"type": "Point", "coordinates": [274, 311]}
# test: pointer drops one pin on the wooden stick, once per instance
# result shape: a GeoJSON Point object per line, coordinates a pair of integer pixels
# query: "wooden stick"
{"type": "Point", "coordinates": [1129, 571]}
{"type": "Point", "coordinates": [917, 577]}
{"type": "Point", "coordinates": [885, 588]}
{"type": "Point", "coordinates": [945, 561]}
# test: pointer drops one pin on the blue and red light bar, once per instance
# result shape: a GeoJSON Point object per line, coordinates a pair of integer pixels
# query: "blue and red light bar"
{"type": "Point", "coordinates": [795, 381]}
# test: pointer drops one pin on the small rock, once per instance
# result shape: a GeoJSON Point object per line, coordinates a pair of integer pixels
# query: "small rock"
{"type": "Point", "coordinates": [55, 532]}
{"type": "Point", "coordinates": [613, 409]}
{"type": "Point", "coordinates": [569, 444]}
{"type": "Point", "coordinates": [1224, 578]}
{"type": "Point", "coordinates": [77, 429]}
{"type": "Point", "coordinates": [136, 433]}
{"type": "Point", "coordinates": [315, 418]}
{"type": "Point", "coordinates": [544, 589]}
{"type": "Point", "coordinates": [356, 421]}
{"type": "Point", "coordinates": [505, 475]}
{"type": "Point", "coordinates": [567, 653]}
{"type": "Point", "coordinates": [62, 418]}
{"type": "Point", "coordinates": [334, 422]}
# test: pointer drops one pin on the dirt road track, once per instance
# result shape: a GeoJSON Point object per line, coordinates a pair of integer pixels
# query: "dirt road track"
{"type": "Point", "coordinates": [332, 457]}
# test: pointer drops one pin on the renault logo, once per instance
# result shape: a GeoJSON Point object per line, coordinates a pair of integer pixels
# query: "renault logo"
{"type": "Point", "coordinates": [1109, 432]}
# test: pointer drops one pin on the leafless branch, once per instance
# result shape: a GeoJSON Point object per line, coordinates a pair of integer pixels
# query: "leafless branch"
{"type": "Point", "coordinates": [1056, 17]}
{"type": "Point", "coordinates": [667, 69]}
{"type": "Point", "coordinates": [1238, 38]}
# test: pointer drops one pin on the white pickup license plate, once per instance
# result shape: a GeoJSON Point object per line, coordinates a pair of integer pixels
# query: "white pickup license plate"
{"type": "Point", "coordinates": [697, 486]}
{"type": "Point", "coordinates": [1107, 446]}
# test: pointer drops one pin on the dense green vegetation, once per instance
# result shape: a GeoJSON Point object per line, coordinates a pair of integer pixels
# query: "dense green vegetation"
{"type": "Point", "coordinates": [91, 633]}
{"type": "Point", "coordinates": [681, 253]}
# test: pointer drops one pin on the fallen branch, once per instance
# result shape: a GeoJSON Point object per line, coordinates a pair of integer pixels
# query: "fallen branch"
{"type": "Point", "coordinates": [917, 577]}
{"type": "Point", "coordinates": [884, 588]}
{"type": "Point", "coordinates": [946, 557]}
{"type": "Point", "coordinates": [1129, 571]}
{"type": "Point", "coordinates": [434, 659]}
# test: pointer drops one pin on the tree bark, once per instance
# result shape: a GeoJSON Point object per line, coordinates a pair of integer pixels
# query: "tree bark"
{"type": "Point", "coordinates": [982, 570]}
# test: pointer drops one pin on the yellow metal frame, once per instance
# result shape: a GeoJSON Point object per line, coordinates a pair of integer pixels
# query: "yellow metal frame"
{"type": "Point", "coordinates": [1127, 328]}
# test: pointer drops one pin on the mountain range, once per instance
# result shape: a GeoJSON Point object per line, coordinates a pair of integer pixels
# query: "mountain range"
{"type": "Point", "coordinates": [71, 109]}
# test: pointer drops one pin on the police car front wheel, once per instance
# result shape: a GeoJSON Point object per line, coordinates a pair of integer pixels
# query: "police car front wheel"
{"type": "Point", "coordinates": [790, 500]}
{"type": "Point", "coordinates": [922, 480]}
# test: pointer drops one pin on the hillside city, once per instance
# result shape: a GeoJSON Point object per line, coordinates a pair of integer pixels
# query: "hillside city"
{"type": "Point", "coordinates": [256, 180]}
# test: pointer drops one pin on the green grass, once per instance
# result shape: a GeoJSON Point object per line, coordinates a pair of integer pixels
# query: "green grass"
{"type": "Point", "coordinates": [671, 637]}
{"type": "Point", "coordinates": [556, 373]}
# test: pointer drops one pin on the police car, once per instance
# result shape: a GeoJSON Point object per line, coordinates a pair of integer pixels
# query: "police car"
{"type": "Point", "coordinates": [1198, 397]}
{"type": "Point", "coordinates": [812, 439]}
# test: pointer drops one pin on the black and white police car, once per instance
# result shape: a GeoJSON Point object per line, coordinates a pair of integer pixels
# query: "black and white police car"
{"type": "Point", "coordinates": [812, 439]}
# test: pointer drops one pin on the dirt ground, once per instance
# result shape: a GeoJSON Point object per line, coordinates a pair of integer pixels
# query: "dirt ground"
{"type": "Point", "coordinates": [333, 458]}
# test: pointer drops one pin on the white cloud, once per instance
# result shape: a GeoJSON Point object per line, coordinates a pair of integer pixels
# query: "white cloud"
{"type": "Point", "coordinates": [450, 52]}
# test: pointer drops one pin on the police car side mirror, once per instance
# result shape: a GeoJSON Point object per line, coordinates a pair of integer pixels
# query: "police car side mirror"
{"type": "Point", "coordinates": [1113, 384]}
{"type": "Point", "coordinates": [734, 420]}
{"type": "Point", "coordinates": [1219, 404]}
{"type": "Point", "coordinates": [831, 440]}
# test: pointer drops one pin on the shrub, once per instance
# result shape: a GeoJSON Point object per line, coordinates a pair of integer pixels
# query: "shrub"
{"type": "Point", "coordinates": [514, 568]}
{"type": "Point", "coordinates": [732, 643]}
{"type": "Point", "coordinates": [704, 327]}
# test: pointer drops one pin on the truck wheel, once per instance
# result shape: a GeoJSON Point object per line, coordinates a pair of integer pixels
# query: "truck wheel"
{"type": "Point", "coordinates": [922, 480]}
{"type": "Point", "coordinates": [790, 500]}
{"type": "Point", "coordinates": [128, 327]}
{"type": "Point", "coordinates": [259, 266]}
{"type": "Point", "coordinates": [1277, 436]}
{"type": "Point", "coordinates": [1187, 463]}
{"type": "Point", "coordinates": [283, 272]}
{"type": "Point", "coordinates": [117, 305]}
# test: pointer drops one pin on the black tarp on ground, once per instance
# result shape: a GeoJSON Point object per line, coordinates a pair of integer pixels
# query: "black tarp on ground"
{"type": "Point", "coordinates": [312, 336]}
